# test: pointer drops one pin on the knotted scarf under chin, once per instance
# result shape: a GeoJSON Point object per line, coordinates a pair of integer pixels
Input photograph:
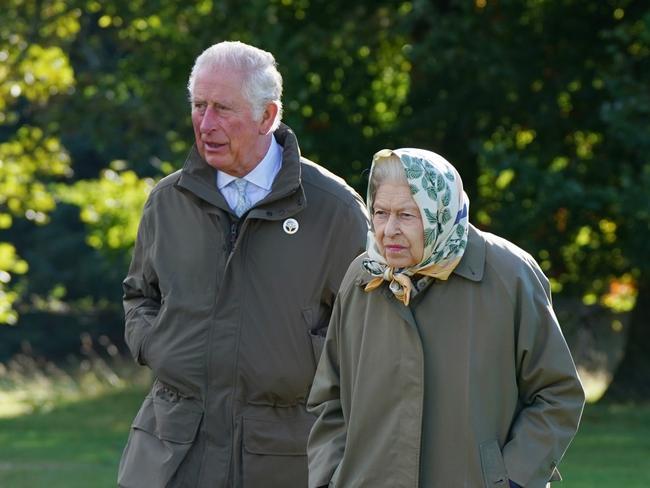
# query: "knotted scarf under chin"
{"type": "Point", "coordinates": [399, 282]}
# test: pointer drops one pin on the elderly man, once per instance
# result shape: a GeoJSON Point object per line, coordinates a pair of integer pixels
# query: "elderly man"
{"type": "Point", "coordinates": [238, 259]}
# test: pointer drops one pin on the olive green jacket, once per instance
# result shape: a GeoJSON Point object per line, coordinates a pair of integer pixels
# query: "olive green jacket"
{"type": "Point", "coordinates": [230, 315]}
{"type": "Point", "coordinates": [470, 385]}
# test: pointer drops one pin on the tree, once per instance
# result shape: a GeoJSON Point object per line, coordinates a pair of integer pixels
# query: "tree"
{"type": "Point", "coordinates": [544, 105]}
{"type": "Point", "coordinates": [122, 111]}
{"type": "Point", "coordinates": [31, 75]}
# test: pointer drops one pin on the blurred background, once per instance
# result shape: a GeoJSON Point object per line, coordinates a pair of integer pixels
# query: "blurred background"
{"type": "Point", "coordinates": [542, 105]}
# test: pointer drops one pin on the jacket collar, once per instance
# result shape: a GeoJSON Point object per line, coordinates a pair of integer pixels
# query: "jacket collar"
{"type": "Point", "coordinates": [472, 264]}
{"type": "Point", "coordinates": [286, 198]}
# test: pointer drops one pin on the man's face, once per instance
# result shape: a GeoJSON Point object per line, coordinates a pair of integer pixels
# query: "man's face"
{"type": "Point", "coordinates": [227, 135]}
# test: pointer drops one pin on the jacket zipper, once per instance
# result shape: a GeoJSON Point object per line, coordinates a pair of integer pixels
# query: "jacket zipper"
{"type": "Point", "coordinates": [233, 235]}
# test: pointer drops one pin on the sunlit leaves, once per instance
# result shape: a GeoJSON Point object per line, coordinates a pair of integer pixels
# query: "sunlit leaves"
{"type": "Point", "coordinates": [110, 207]}
{"type": "Point", "coordinates": [44, 72]}
{"type": "Point", "coordinates": [24, 161]}
{"type": "Point", "coordinates": [585, 143]}
{"type": "Point", "coordinates": [59, 21]}
{"type": "Point", "coordinates": [10, 263]}
{"type": "Point", "coordinates": [621, 294]}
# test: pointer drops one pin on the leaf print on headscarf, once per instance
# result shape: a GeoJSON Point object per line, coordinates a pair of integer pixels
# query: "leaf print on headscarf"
{"type": "Point", "coordinates": [412, 168]}
{"type": "Point", "coordinates": [429, 173]}
{"type": "Point", "coordinates": [429, 188]}
{"type": "Point", "coordinates": [446, 198]}
{"type": "Point", "coordinates": [449, 175]}
{"type": "Point", "coordinates": [438, 255]}
{"type": "Point", "coordinates": [373, 267]}
{"type": "Point", "coordinates": [440, 183]}
{"type": "Point", "coordinates": [446, 216]}
{"type": "Point", "coordinates": [414, 189]}
{"type": "Point", "coordinates": [460, 230]}
{"type": "Point", "coordinates": [429, 236]}
{"type": "Point", "coordinates": [431, 218]}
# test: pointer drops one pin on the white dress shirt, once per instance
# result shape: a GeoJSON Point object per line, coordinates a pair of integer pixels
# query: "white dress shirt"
{"type": "Point", "coordinates": [259, 180]}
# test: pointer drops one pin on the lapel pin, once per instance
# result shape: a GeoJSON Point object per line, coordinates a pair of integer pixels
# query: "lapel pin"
{"type": "Point", "coordinates": [290, 226]}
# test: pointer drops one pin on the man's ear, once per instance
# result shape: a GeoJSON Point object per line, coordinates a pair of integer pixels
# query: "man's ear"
{"type": "Point", "coordinates": [268, 117]}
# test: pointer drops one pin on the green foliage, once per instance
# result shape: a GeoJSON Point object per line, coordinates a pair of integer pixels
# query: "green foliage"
{"type": "Point", "coordinates": [9, 263]}
{"type": "Point", "coordinates": [31, 74]}
{"type": "Point", "coordinates": [542, 106]}
{"type": "Point", "coordinates": [110, 206]}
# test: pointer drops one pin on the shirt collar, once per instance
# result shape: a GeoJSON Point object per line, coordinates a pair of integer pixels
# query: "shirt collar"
{"type": "Point", "coordinates": [263, 174]}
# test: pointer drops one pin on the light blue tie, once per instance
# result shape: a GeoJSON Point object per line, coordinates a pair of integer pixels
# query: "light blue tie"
{"type": "Point", "coordinates": [243, 203]}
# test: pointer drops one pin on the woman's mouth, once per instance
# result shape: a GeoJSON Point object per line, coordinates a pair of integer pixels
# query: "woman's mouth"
{"type": "Point", "coordinates": [394, 248]}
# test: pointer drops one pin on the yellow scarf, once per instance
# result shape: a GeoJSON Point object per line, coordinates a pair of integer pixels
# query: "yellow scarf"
{"type": "Point", "coordinates": [401, 285]}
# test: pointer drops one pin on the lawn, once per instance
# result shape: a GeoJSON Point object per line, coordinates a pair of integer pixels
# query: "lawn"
{"type": "Point", "coordinates": [79, 445]}
{"type": "Point", "coordinates": [611, 450]}
{"type": "Point", "coordinates": [73, 446]}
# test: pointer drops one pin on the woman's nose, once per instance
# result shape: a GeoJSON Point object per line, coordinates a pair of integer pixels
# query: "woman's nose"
{"type": "Point", "coordinates": [392, 226]}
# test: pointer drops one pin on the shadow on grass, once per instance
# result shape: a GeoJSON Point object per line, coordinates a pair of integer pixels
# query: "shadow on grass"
{"type": "Point", "coordinates": [73, 446]}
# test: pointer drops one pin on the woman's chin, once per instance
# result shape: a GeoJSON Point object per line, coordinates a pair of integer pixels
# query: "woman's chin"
{"type": "Point", "coordinates": [399, 262]}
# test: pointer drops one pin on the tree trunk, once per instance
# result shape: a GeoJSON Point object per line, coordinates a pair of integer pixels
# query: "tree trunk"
{"type": "Point", "coordinates": [632, 377]}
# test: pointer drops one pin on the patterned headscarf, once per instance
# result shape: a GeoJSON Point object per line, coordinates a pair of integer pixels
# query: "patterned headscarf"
{"type": "Point", "coordinates": [438, 191]}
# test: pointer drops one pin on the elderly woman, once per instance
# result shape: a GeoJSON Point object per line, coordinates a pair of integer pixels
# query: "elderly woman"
{"type": "Point", "coordinates": [444, 365]}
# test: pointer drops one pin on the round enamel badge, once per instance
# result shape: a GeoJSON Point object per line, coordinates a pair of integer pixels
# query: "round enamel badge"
{"type": "Point", "coordinates": [290, 226]}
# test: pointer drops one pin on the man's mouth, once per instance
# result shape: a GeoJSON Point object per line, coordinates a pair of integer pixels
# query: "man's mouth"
{"type": "Point", "coordinates": [212, 145]}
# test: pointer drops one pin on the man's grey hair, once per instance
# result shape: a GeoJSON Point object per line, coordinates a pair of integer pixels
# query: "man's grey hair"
{"type": "Point", "coordinates": [262, 82]}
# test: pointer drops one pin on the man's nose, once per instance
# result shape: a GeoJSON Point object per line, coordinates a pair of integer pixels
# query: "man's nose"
{"type": "Point", "coordinates": [210, 121]}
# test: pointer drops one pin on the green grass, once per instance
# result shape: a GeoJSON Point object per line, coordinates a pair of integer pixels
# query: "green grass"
{"type": "Point", "coordinates": [79, 445]}
{"type": "Point", "coordinates": [73, 446]}
{"type": "Point", "coordinates": [612, 449]}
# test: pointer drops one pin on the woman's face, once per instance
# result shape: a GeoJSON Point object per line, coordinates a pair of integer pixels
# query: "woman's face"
{"type": "Point", "coordinates": [398, 225]}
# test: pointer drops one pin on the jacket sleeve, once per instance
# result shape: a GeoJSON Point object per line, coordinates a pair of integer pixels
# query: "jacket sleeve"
{"type": "Point", "coordinates": [141, 298]}
{"type": "Point", "coordinates": [550, 391]}
{"type": "Point", "coordinates": [326, 442]}
{"type": "Point", "coordinates": [351, 238]}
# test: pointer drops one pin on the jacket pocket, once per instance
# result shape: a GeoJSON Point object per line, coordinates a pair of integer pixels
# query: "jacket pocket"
{"type": "Point", "coordinates": [494, 469]}
{"type": "Point", "coordinates": [161, 435]}
{"type": "Point", "coordinates": [274, 453]}
{"type": "Point", "coordinates": [317, 329]}
{"type": "Point", "coordinates": [151, 319]}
